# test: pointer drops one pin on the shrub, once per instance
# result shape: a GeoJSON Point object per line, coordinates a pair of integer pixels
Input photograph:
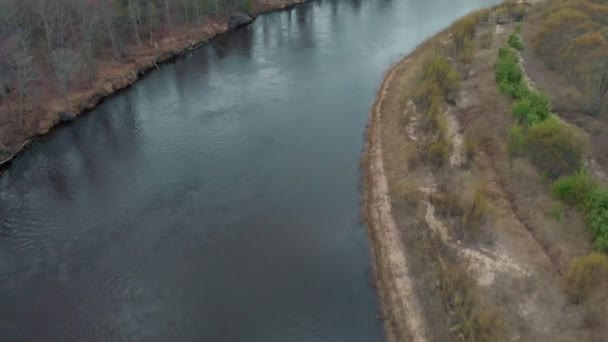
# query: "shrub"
{"type": "Point", "coordinates": [441, 147]}
{"type": "Point", "coordinates": [555, 148]}
{"type": "Point", "coordinates": [519, 12]}
{"type": "Point", "coordinates": [427, 95]}
{"type": "Point", "coordinates": [440, 71]}
{"type": "Point", "coordinates": [463, 32]}
{"type": "Point", "coordinates": [488, 325]}
{"type": "Point", "coordinates": [516, 142]}
{"type": "Point", "coordinates": [407, 194]}
{"type": "Point", "coordinates": [557, 213]}
{"type": "Point", "coordinates": [597, 217]}
{"type": "Point", "coordinates": [470, 148]}
{"type": "Point", "coordinates": [465, 58]}
{"type": "Point", "coordinates": [575, 190]}
{"type": "Point", "coordinates": [531, 108]}
{"type": "Point", "coordinates": [475, 210]}
{"type": "Point", "coordinates": [516, 42]}
{"type": "Point", "coordinates": [586, 275]}
{"type": "Point", "coordinates": [508, 72]}
{"type": "Point", "coordinates": [486, 39]}
{"type": "Point", "coordinates": [439, 152]}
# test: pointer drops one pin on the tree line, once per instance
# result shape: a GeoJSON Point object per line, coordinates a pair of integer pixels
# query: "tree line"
{"type": "Point", "coordinates": [62, 39]}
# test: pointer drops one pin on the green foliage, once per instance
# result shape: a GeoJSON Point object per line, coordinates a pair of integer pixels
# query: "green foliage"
{"type": "Point", "coordinates": [516, 42]}
{"type": "Point", "coordinates": [585, 276]}
{"type": "Point", "coordinates": [508, 72]}
{"type": "Point", "coordinates": [532, 107]}
{"type": "Point", "coordinates": [597, 217]}
{"type": "Point", "coordinates": [555, 148]}
{"type": "Point", "coordinates": [575, 190]}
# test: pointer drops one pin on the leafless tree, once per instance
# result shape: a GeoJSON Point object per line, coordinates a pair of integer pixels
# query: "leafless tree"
{"type": "Point", "coordinates": [135, 14]}
{"type": "Point", "coordinates": [21, 67]}
{"type": "Point", "coordinates": [66, 63]}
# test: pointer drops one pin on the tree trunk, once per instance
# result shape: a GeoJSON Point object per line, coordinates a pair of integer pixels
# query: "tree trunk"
{"type": "Point", "coordinates": [134, 21]}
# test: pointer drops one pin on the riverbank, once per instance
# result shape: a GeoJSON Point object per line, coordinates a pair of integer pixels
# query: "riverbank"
{"type": "Point", "coordinates": [467, 239]}
{"type": "Point", "coordinates": [48, 108]}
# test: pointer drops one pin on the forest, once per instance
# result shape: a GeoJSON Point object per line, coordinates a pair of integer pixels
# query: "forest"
{"type": "Point", "coordinates": [55, 45]}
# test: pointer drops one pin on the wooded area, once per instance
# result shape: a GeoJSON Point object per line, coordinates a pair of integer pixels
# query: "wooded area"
{"type": "Point", "coordinates": [56, 42]}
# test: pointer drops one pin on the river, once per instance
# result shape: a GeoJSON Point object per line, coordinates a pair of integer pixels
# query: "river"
{"type": "Point", "coordinates": [218, 198]}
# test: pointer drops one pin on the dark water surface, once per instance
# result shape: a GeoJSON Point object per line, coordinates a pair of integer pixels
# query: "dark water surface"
{"type": "Point", "coordinates": [218, 198]}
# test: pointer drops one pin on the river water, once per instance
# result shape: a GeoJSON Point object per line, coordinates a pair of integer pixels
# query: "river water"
{"type": "Point", "coordinates": [218, 198]}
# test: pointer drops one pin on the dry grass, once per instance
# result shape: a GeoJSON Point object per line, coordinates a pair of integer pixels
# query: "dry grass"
{"type": "Point", "coordinates": [587, 278]}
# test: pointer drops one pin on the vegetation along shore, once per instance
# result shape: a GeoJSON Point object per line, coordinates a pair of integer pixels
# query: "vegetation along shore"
{"type": "Point", "coordinates": [485, 178]}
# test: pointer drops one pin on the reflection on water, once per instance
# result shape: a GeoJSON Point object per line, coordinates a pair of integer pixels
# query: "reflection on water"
{"type": "Point", "coordinates": [217, 199]}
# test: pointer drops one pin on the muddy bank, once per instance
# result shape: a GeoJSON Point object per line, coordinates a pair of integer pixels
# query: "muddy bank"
{"type": "Point", "coordinates": [45, 112]}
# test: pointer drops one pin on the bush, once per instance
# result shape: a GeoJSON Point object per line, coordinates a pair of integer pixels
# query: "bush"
{"type": "Point", "coordinates": [475, 210]}
{"type": "Point", "coordinates": [406, 194]}
{"type": "Point", "coordinates": [427, 95]}
{"type": "Point", "coordinates": [470, 148]}
{"type": "Point", "coordinates": [597, 217]}
{"type": "Point", "coordinates": [531, 108]}
{"type": "Point", "coordinates": [486, 39]}
{"type": "Point", "coordinates": [516, 42]}
{"type": "Point", "coordinates": [441, 148]}
{"type": "Point", "coordinates": [575, 190]}
{"type": "Point", "coordinates": [508, 72]}
{"type": "Point", "coordinates": [440, 71]}
{"type": "Point", "coordinates": [519, 12]}
{"type": "Point", "coordinates": [516, 142]}
{"type": "Point", "coordinates": [463, 32]}
{"type": "Point", "coordinates": [555, 148]}
{"type": "Point", "coordinates": [586, 275]}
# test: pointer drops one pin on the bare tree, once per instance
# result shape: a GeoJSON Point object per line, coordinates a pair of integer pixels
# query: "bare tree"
{"type": "Point", "coordinates": [89, 21]}
{"type": "Point", "coordinates": [107, 18]}
{"type": "Point", "coordinates": [135, 14]}
{"type": "Point", "coordinates": [168, 15]}
{"type": "Point", "coordinates": [21, 67]}
{"type": "Point", "coordinates": [66, 64]}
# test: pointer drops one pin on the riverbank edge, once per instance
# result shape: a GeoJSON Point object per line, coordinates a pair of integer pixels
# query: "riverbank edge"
{"type": "Point", "coordinates": [400, 310]}
{"type": "Point", "coordinates": [137, 71]}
